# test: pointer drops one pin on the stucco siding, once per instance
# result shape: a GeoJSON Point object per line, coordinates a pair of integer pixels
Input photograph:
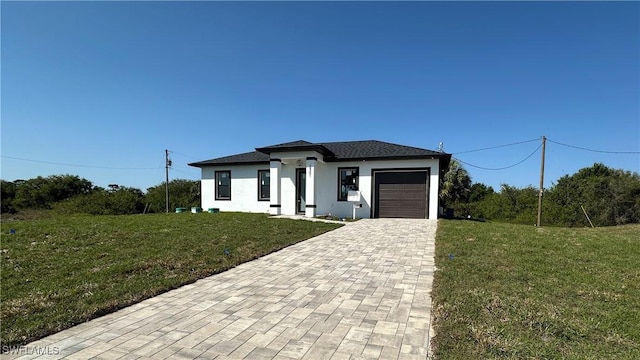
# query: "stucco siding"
{"type": "Point", "coordinates": [244, 189]}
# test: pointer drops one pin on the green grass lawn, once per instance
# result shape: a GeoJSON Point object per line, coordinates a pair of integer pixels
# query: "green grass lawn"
{"type": "Point", "coordinates": [522, 292]}
{"type": "Point", "coordinates": [63, 270]}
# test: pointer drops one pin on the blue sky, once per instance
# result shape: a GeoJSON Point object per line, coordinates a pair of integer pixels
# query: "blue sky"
{"type": "Point", "coordinates": [108, 86]}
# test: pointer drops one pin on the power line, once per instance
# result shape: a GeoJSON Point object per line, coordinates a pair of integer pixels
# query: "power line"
{"type": "Point", "coordinates": [593, 150]}
{"type": "Point", "coordinates": [185, 155]}
{"type": "Point", "coordinates": [496, 147]}
{"type": "Point", "coordinates": [502, 168]}
{"type": "Point", "coordinates": [76, 165]}
{"type": "Point", "coordinates": [182, 172]}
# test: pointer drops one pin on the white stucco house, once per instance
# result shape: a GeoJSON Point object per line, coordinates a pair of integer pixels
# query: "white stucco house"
{"type": "Point", "coordinates": [311, 179]}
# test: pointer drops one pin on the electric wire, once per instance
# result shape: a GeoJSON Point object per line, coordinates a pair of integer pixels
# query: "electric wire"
{"type": "Point", "coordinates": [82, 166]}
{"type": "Point", "coordinates": [456, 153]}
{"type": "Point", "coordinates": [182, 172]}
{"type": "Point", "coordinates": [593, 150]}
{"type": "Point", "coordinates": [185, 155]}
{"type": "Point", "coordinates": [502, 168]}
{"type": "Point", "coordinates": [496, 147]}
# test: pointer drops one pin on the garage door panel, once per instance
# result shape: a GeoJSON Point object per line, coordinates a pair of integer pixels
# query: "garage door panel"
{"type": "Point", "coordinates": [410, 193]}
{"type": "Point", "coordinates": [401, 194]}
{"type": "Point", "coordinates": [389, 192]}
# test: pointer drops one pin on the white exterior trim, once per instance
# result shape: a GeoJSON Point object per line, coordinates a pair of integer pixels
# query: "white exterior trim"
{"type": "Point", "coordinates": [275, 173]}
{"type": "Point", "coordinates": [310, 210]}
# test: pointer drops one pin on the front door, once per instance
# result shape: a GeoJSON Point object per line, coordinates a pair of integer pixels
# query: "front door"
{"type": "Point", "coordinates": [301, 190]}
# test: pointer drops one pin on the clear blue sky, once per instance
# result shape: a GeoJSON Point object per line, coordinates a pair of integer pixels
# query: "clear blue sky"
{"type": "Point", "coordinates": [110, 85]}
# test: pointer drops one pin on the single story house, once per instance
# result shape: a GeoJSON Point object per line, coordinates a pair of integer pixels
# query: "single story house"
{"type": "Point", "coordinates": [381, 179]}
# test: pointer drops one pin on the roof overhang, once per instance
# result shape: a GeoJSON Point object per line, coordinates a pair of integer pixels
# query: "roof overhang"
{"type": "Point", "coordinates": [376, 151]}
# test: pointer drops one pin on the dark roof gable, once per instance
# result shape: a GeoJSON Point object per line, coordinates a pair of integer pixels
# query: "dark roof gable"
{"type": "Point", "coordinates": [299, 145]}
{"type": "Point", "coordinates": [332, 151]}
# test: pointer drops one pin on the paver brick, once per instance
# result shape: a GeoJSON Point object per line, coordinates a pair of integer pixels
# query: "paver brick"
{"type": "Point", "coordinates": [360, 292]}
{"type": "Point", "coordinates": [262, 353]}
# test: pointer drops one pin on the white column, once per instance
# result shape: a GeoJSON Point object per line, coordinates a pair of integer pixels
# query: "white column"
{"type": "Point", "coordinates": [434, 186]}
{"type": "Point", "coordinates": [275, 171]}
{"type": "Point", "coordinates": [310, 197]}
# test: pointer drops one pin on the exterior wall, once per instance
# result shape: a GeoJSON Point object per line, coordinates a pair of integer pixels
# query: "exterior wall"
{"type": "Point", "coordinates": [244, 185]}
{"type": "Point", "coordinates": [327, 181]}
{"type": "Point", "coordinates": [244, 189]}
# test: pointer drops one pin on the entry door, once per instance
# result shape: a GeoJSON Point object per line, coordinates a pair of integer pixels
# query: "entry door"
{"type": "Point", "coordinates": [301, 190]}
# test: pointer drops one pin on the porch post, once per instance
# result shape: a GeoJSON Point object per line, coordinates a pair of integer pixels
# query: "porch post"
{"type": "Point", "coordinates": [310, 196]}
{"type": "Point", "coordinates": [275, 170]}
{"type": "Point", "coordinates": [433, 186]}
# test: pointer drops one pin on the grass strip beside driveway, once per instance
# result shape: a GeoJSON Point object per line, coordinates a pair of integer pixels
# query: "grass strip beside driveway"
{"type": "Point", "coordinates": [60, 271]}
{"type": "Point", "coordinates": [521, 292]}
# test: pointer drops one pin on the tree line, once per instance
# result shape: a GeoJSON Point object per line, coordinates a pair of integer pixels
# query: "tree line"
{"type": "Point", "coordinates": [608, 196]}
{"type": "Point", "coordinates": [69, 194]}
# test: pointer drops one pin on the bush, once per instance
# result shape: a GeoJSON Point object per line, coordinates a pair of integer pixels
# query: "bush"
{"type": "Point", "coordinates": [42, 193]}
{"type": "Point", "coordinates": [123, 201]}
{"type": "Point", "coordinates": [8, 190]}
{"type": "Point", "coordinates": [610, 197]}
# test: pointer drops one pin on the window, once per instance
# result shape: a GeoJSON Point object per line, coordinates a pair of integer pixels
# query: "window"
{"type": "Point", "coordinates": [264, 185]}
{"type": "Point", "coordinates": [347, 181]}
{"type": "Point", "coordinates": [223, 185]}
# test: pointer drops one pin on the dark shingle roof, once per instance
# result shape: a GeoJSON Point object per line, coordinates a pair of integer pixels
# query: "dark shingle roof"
{"type": "Point", "coordinates": [289, 144]}
{"type": "Point", "coordinates": [373, 149]}
{"type": "Point", "coordinates": [253, 157]}
{"type": "Point", "coordinates": [332, 151]}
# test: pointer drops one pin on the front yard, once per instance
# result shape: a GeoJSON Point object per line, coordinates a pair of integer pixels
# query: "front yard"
{"type": "Point", "coordinates": [63, 270]}
{"type": "Point", "coordinates": [521, 292]}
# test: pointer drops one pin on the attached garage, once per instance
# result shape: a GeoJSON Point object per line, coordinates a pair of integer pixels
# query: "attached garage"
{"type": "Point", "coordinates": [401, 194]}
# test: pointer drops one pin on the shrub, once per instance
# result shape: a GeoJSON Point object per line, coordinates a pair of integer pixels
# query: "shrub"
{"type": "Point", "coordinates": [123, 201]}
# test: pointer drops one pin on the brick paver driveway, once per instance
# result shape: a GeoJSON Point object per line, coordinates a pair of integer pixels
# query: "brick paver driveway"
{"type": "Point", "coordinates": [362, 291]}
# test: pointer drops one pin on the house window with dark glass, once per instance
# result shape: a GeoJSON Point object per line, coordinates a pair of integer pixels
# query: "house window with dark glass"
{"type": "Point", "coordinates": [264, 185]}
{"type": "Point", "coordinates": [223, 185]}
{"type": "Point", "coordinates": [347, 181]}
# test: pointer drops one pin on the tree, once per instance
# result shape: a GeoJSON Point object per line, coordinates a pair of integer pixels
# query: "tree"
{"type": "Point", "coordinates": [456, 185]}
{"type": "Point", "coordinates": [479, 191]}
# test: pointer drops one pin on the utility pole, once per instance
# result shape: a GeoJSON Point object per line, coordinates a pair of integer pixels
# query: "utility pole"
{"type": "Point", "coordinates": [167, 164]}
{"type": "Point", "coordinates": [544, 142]}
